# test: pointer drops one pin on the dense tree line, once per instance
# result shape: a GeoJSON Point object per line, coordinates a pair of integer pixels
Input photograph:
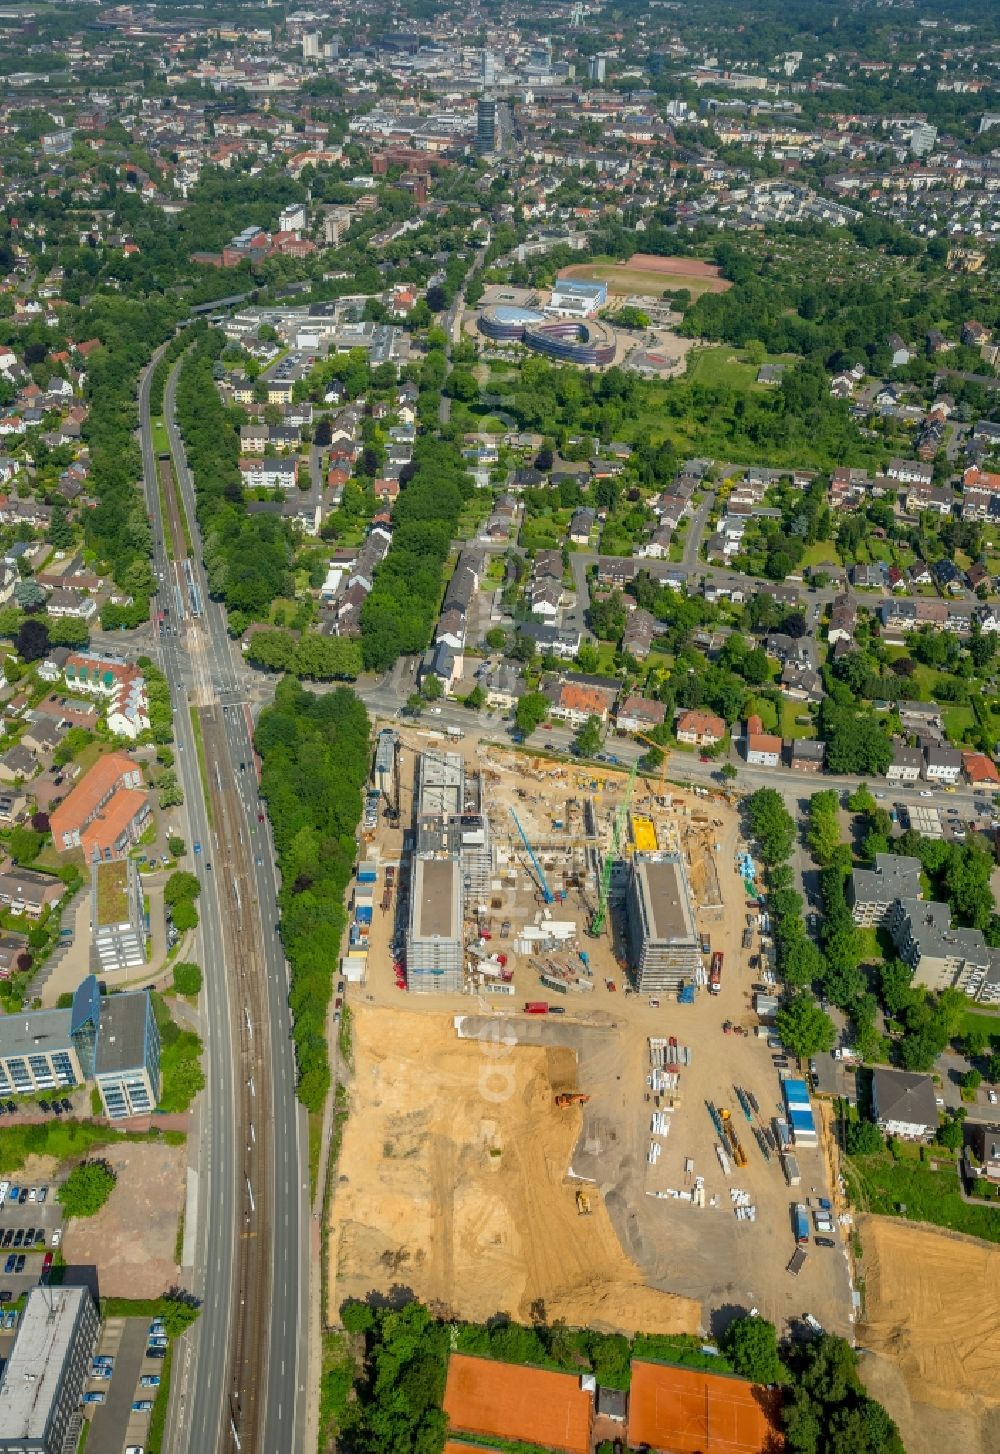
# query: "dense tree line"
{"type": "Point", "coordinates": [319, 658]}
{"type": "Point", "coordinates": [315, 759]}
{"type": "Point", "coordinates": [247, 557]}
{"type": "Point", "coordinates": [398, 616]}
{"type": "Point", "coordinates": [400, 1376]}
{"type": "Point", "coordinates": [118, 529]}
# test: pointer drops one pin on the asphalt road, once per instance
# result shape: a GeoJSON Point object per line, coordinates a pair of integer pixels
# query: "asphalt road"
{"type": "Point", "coordinates": [199, 666]}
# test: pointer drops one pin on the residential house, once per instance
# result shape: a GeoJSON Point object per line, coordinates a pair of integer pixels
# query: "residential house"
{"type": "Point", "coordinates": [105, 812]}
{"type": "Point", "coordinates": [899, 354]}
{"type": "Point", "coordinates": [640, 631]}
{"type": "Point", "coordinates": [68, 602]}
{"type": "Point", "coordinates": [574, 702]}
{"type": "Point", "coordinates": [268, 472]}
{"type": "Point", "coordinates": [921, 717]}
{"type": "Point", "coordinates": [699, 729]}
{"type": "Point", "coordinates": [872, 892]}
{"type": "Point", "coordinates": [763, 749]}
{"type": "Point", "coordinates": [582, 525]}
{"type": "Point", "coordinates": [504, 686]}
{"type": "Point", "coordinates": [843, 620]}
{"type": "Point", "coordinates": [904, 1104]}
{"type": "Point", "coordinates": [788, 648]}
{"type": "Point", "coordinates": [802, 684]}
{"type": "Point", "coordinates": [910, 471]}
{"type": "Point", "coordinates": [980, 770]}
{"type": "Point", "coordinates": [18, 764]}
{"type": "Point", "coordinates": [942, 765]}
{"type": "Point", "coordinates": [806, 754]}
{"type": "Point", "coordinates": [24, 891]}
{"type": "Point", "coordinates": [906, 766]}
{"type": "Point", "coordinates": [639, 714]}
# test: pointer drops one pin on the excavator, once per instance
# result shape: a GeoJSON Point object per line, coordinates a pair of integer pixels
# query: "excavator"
{"type": "Point", "coordinates": [571, 1098]}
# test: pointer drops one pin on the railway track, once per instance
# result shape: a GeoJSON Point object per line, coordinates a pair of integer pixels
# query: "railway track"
{"type": "Point", "coordinates": [247, 1363]}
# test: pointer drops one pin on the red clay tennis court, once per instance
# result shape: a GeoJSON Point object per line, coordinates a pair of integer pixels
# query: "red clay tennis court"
{"type": "Point", "coordinates": [682, 1411]}
{"type": "Point", "coordinates": [509, 1402]}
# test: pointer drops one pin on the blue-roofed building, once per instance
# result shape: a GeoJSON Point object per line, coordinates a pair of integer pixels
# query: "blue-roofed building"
{"type": "Point", "coordinates": [800, 1116]}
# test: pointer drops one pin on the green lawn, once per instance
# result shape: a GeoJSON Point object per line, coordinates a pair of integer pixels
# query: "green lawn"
{"type": "Point", "coordinates": [791, 725]}
{"type": "Point", "coordinates": [958, 722]}
{"type": "Point", "coordinates": [711, 366]}
{"type": "Point", "coordinates": [981, 1020]}
{"type": "Point", "coordinates": [161, 440]}
{"type": "Point", "coordinates": [887, 1185]}
{"type": "Point", "coordinates": [823, 552]}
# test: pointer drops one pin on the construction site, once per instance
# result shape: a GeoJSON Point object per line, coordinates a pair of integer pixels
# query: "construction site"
{"type": "Point", "coordinates": [562, 1091]}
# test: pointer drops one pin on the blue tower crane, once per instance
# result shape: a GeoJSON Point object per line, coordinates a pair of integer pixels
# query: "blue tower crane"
{"type": "Point", "coordinates": [547, 894]}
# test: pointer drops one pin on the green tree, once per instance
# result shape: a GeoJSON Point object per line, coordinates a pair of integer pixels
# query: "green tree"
{"type": "Point", "coordinates": [531, 711]}
{"type": "Point", "coordinates": [181, 885]}
{"type": "Point", "coordinates": [824, 826]}
{"type": "Point", "coordinates": [431, 688]}
{"type": "Point", "coordinates": [863, 1138]}
{"type": "Point", "coordinates": [176, 845]}
{"type": "Point", "coordinates": [803, 1026]}
{"type": "Point", "coordinates": [25, 844]}
{"type": "Point", "coordinates": [87, 1188]}
{"type": "Point", "coordinates": [588, 739]}
{"type": "Point", "coordinates": [772, 825]}
{"type": "Point", "coordinates": [751, 1345]}
{"type": "Point", "coordinates": [187, 978]}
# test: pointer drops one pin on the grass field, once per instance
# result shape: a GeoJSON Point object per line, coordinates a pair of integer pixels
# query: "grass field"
{"type": "Point", "coordinates": [623, 279]}
{"type": "Point", "coordinates": [983, 1021]}
{"type": "Point", "coordinates": [161, 441]}
{"type": "Point", "coordinates": [726, 365]}
{"type": "Point", "coordinates": [822, 552]}
{"type": "Point", "coordinates": [906, 1186]}
{"type": "Point", "coordinates": [790, 725]}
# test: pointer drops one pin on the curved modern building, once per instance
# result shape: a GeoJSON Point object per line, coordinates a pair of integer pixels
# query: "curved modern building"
{"type": "Point", "coordinates": [568, 340]}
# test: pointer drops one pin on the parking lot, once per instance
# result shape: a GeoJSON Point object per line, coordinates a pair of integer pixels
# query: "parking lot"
{"type": "Point", "coordinates": [30, 1228]}
{"type": "Point", "coordinates": [125, 1376]}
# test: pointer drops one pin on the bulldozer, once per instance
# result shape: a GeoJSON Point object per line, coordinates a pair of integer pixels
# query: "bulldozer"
{"type": "Point", "coordinates": [571, 1098]}
{"type": "Point", "coordinates": [582, 1202]}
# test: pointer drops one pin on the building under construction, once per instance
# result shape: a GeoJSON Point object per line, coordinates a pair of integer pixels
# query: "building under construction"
{"type": "Point", "coordinates": [664, 948]}
{"type": "Point", "coordinates": [452, 869]}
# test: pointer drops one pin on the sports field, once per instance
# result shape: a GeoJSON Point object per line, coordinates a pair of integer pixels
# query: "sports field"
{"type": "Point", "coordinates": [690, 1412]}
{"type": "Point", "coordinates": [645, 273]}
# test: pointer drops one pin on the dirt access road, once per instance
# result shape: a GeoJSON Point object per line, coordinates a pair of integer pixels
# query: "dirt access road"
{"type": "Point", "coordinates": [931, 1335]}
{"type": "Point", "coordinates": [453, 1183]}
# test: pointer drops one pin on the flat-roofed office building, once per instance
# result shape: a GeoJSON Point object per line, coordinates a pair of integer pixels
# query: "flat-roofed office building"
{"type": "Point", "coordinates": [434, 937]}
{"type": "Point", "coordinates": [663, 944]}
{"type": "Point", "coordinates": [127, 1055]}
{"type": "Point", "coordinates": [46, 1371]}
{"type": "Point", "coordinates": [37, 1052]}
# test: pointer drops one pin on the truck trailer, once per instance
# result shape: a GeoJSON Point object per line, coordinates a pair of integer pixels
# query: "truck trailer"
{"type": "Point", "coordinates": [715, 973]}
{"type": "Point", "coordinates": [800, 1219]}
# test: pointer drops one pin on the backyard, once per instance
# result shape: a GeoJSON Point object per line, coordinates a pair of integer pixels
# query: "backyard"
{"type": "Point", "coordinates": [920, 1184]}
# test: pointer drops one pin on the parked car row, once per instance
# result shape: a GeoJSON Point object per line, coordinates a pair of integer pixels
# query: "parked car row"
{"type": "Point", "coordinates": [19, 1195]}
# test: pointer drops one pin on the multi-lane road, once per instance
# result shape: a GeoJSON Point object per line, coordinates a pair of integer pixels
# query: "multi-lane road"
{"type": "Point", "coordinates": [241, 1380]}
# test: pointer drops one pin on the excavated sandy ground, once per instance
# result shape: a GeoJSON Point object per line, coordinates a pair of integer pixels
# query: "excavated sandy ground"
{"type": "Point", "coordinates": [453, 1184]}
{"type": "Point", "coordinates": [932, 1331]}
